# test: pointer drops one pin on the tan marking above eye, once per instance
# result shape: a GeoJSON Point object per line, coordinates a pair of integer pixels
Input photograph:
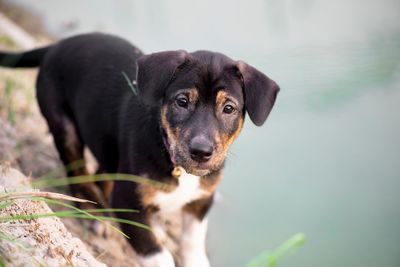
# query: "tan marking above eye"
{"type": "Point", "coordinates": [221, 97]}
{"type": "Point", "coordinates": [193, 94]}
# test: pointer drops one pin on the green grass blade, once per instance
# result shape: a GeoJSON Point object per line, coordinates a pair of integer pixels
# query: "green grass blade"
{"type": "Point", "coordinates": [72, 214]}
{"type": "Point", "coordinates": [130, 83]}
{"type": "Point", "coordinates": [119, 220]}
{"type": "Point", "coordinates": [271, 258]}
{"type": "Point", "coordinates": [75, 212]}
{"type": "Point", "coordinates": [63, 213]}
{"type": "Point", "coordinates": [290, 245]}
{"type": "Point", "coordinates": [97, 218]}
{"type": "Point", "coordinates": [69, 167]}
{"type": "Point", "coordinates": [51, 182]}
{"type": "Point", "coordinates": [108, 210]}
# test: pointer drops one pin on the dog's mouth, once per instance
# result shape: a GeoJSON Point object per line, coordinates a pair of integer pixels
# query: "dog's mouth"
{"type": "Point", "coordinates": [199, 169]}
{"type": "Point", "coordinates": [194, 167]}
{"type": "Point", "coordinates": [180, 156]}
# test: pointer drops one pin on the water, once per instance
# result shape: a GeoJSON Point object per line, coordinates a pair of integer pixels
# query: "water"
{"type": "Point", "coordinates": [327, 162]}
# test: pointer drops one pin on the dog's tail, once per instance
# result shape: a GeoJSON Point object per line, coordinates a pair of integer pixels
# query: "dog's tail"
{"type": "Point", "coordinates": [28, 59]}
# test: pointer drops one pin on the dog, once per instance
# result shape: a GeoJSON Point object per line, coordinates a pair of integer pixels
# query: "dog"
{"type": "Point", "coordinates": [168, 116]}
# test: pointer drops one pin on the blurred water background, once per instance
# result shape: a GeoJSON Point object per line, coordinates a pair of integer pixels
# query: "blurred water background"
{"type": "Point", "coordinates": [327, 162]}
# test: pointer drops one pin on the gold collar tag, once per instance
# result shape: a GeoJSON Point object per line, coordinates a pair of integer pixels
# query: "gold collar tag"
{"type": "Point", "coordinates": [177, 172]}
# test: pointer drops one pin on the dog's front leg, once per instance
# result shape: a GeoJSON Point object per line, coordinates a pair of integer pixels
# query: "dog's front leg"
{"type": "Point", "coordinates": [194, 230]}
{"type": "Point", "coordinates": [149, 251]}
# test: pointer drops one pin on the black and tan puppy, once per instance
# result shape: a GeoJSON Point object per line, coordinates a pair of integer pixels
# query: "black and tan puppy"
{"type": "Point", "coordinates": [189, 109]}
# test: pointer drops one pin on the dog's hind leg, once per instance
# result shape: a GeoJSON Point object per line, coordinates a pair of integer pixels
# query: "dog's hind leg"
{"type": "Point", "coordinates": [70, 148]}
{"type": "Point", "coordinates": [67, 139]}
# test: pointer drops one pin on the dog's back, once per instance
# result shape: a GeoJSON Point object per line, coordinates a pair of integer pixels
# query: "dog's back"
{"type": "Point", "coordinates": [82, 86]}
{"type": "Point", "coordinates": [90, 75]}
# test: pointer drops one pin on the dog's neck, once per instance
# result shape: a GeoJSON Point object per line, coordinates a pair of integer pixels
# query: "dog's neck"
{"type": "Point", "coordinates": [153, 154]}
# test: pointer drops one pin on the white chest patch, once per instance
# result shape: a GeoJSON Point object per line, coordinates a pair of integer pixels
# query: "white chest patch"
{"type": "Point", "coordinates": [187, 190]}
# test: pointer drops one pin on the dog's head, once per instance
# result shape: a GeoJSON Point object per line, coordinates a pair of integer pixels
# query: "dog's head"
{"type": "Point", "coordinates": [203, 97]}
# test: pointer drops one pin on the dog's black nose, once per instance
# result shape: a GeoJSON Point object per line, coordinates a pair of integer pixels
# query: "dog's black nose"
{"type": "Point", "coordinates": [200, 149]}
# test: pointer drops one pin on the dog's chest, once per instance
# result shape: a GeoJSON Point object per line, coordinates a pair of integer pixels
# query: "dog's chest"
{"type": "Point", "coordinates": [188, 190]}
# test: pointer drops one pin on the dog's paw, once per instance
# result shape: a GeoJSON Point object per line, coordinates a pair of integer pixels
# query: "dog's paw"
{"type": "Point", "coordinates": [161, 259]}
{"type": "Point", "coordinates": [195, 259]}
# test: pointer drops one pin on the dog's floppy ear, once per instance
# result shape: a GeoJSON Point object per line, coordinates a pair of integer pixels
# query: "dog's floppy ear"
{"type": "Point", "coordinates": [154, 73]}
{"type": "Point", "coordinates": [260, 92]}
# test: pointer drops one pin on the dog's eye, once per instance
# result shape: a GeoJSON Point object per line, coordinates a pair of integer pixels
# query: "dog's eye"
{"type": "Point", "coordinates": [182, 101]}
{"type": "Point", "coordinates": [228, 109]}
